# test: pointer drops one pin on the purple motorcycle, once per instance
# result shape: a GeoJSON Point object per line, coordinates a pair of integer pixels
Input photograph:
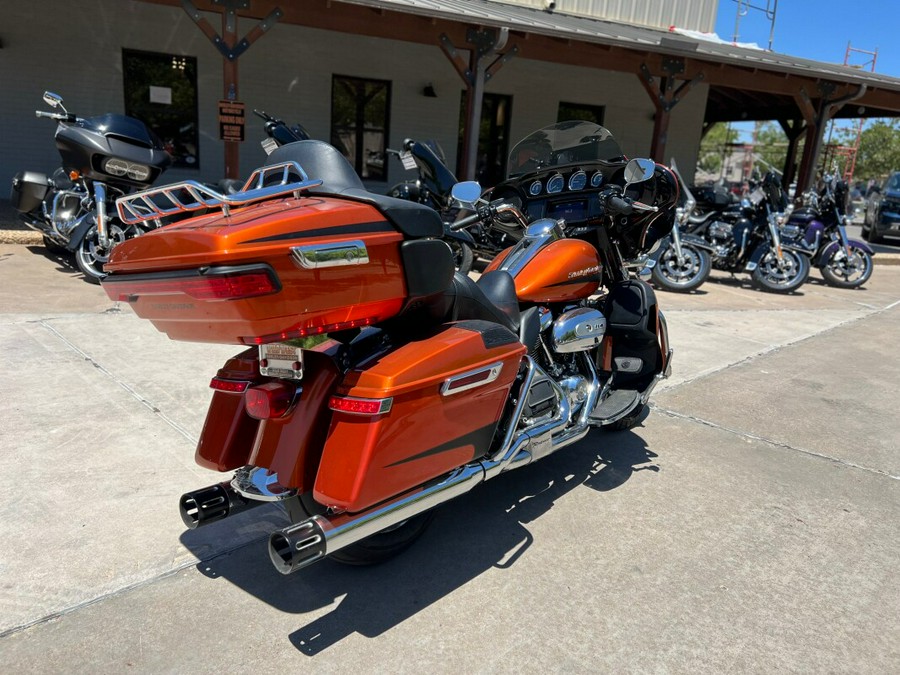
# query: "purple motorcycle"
{"type": "Point", "coordinates": [821, 226]}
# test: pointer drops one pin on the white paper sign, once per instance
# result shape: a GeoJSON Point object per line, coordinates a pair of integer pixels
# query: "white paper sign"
{"type": "Point", "coordinates": [161, 95]}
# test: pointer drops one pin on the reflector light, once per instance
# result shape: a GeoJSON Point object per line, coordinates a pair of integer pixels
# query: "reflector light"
{"type": "Point", "coordinates": [297, 332]}
{"type": "Point", "coordinates": [360, 406]}
{"type": "Point", "coordinates": [233, 386]}
{"type": "Point", "coordinates": [269, 401]}
{"type": "Point", "coordinates": [211, 286]}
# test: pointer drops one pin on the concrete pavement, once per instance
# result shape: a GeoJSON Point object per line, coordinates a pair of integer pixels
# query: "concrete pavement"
{"type": "Point", "coordinates": [749, 524]}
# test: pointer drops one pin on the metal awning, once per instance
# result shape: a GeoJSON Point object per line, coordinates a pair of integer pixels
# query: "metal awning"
{"type": "Point", "coordinates": [762, 87]}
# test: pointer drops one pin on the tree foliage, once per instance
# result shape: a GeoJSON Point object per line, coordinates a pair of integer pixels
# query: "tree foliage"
{"type": "Point", "coordinates": [879, 149]}
{"type": "Point", "coordinates": [714, 146]}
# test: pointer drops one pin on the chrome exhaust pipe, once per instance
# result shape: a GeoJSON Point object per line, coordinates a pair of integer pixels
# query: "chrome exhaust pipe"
{"type": "Point", "coordinates": [212, 504]}
{"type": "Point", "coordinates": [304, 543]}
{"type": "Point", "coordinates": [310, 540]}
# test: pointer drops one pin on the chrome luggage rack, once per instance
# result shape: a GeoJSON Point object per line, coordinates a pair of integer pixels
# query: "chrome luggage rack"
{"type": "Point", "coordinates": [190, 195]}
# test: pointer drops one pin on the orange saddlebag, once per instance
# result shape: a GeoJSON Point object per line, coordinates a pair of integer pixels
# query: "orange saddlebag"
{"type": "Point", "coordinates": [447, 394]}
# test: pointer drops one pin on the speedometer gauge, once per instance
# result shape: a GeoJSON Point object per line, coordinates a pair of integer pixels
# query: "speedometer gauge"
{"type": "Point", "coordinates": [578, 180]}
{"type": "Point", "coordinates": [535, 188]}
{"type": "Point", "coordinates": [596, 179]}
{"type": "Point", "coordinates": [556, 183]}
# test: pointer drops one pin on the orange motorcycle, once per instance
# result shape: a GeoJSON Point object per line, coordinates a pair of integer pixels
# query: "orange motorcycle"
{"type": "Point", "coordinates": [378, 383]}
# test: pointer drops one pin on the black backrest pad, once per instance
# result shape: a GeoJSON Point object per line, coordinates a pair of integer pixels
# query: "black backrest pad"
{"type": "Point", "coordinates": [428, 265]}
{"type": "Point", "coordinates": [323, 161]}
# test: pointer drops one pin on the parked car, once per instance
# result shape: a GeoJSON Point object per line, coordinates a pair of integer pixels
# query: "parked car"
{"type": "Point", "coordinates": [882, 217]}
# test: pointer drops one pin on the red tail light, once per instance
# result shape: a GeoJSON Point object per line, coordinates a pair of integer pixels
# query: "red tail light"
{"type": "Point", "coordinates": [360, 406]}
{"type": "Point", "coordinates": [233, 386]}
{"type": "Point", "coordinates": [269, 401]}
{"type": "Point", "coordinates": [223, 283]}
{"type": "Point", "coordinates": [298, 332]}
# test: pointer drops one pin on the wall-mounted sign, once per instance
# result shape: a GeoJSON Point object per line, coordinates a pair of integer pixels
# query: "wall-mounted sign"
{"type": "Point", "coordinates": [231, 120]}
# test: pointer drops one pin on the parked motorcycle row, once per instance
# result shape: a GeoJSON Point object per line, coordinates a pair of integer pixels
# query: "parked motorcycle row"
{"type": "Point", "coordinates": [765, 237]}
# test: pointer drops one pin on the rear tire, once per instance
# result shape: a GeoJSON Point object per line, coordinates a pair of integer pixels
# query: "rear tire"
{"type": "Point", "coordinates": [785, 278]}
{"type": "Point", "coordinates": [845, 273]}
{"type": "Point", "coordinates": [694, 269]}
{"type": "Point", "coordinates": [462, 256]}
{"type": "Point", "coordinates": [380, 546]}
{"type": "Point", "coordinates": [52, 246]}
{"type": "Point", "coordinates": [628, 422]}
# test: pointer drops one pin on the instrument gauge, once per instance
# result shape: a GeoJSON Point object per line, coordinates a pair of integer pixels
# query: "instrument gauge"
{"type": "Point", "coordinates": [556, 184]}
{"type": "Point", "coordinates": [535, 188]}
{"type": "Point", "coordinates": [597, 179]}
{"type": "Point", "coordinates": [578, 180]}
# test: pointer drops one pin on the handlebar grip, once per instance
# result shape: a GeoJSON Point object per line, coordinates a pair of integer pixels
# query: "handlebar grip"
{"type": "Point", "coordinates": [52, 116]}
{"type": "Point", "coordinates": [619, 205]}
{"type": "Point", "coordinates": [465, 222]}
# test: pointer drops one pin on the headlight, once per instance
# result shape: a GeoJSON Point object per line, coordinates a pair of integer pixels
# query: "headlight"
{"type": "Point", "coordinates": [115, 167]}
{"type": "Point", "coordinates": [138, 172]}
{"type": "Point", "coordinates": [119, 167]}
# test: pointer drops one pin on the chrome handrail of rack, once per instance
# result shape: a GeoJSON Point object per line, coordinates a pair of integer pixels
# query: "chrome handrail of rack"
{"type": "Point", "coordinates": [140, 206]}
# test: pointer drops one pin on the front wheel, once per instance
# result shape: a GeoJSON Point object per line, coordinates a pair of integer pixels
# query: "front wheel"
{"type": "Point", "coordinates": [781, 276]}
{"type": "Point", "coordinates": [462, 256]}
{"type": "Point", "coordinates": [685, 275]}
{"type": "Point", "coordinates": [91, 257]}
{"type": "Point", "coordinates": [848, 272]}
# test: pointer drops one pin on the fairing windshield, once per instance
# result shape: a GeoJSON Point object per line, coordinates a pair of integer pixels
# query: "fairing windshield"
{"type": "Point", "coordinates": [561, 144]}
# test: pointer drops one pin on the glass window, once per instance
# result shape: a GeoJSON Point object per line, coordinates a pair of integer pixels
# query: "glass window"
{"type": "Point", "coordinates": [493, 137]}
{"type": "Point", "coordinates": [577, 111]}
{"type": "Point", "coordinates": [161, 91]}
{"type": "Point", "coordinates": [359, 123]}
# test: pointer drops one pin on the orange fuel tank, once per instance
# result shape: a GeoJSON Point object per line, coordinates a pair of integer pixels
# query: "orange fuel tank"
{"type": "Point", "coordinates": [564, 270]}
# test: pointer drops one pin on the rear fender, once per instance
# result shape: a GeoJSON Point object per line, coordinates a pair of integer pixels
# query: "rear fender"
{"type": "Point", "coordinates": [290, 446]}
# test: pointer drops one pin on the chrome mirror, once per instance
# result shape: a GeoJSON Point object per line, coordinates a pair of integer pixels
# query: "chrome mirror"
{"type": "Point", "coordinates": [639, 170]}
{"type": "Point", "coordinates": [51, 99]}
{"type": "Point", "coordinates": [467, 193]}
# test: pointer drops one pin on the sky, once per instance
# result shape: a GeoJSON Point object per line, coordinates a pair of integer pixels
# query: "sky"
{"type": "Point", "coordinates": [820, 30]}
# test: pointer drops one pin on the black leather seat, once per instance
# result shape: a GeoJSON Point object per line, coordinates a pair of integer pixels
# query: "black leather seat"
{"type": "Point", "coordinates": [492, 298]}
{"type": "Point", "coordinates": [323, 161]}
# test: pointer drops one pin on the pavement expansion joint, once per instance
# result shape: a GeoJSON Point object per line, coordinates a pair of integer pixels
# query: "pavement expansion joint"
{"type": "Point", "coordinates": [768, 441]}
{"type": "Point", "coordinates": [143, 583]}
{"type": "Point", "coordinates": [124, 385]}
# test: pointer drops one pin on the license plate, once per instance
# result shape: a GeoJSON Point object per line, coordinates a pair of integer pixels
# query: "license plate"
{"type": "Point", "coordinates": [281, 360]}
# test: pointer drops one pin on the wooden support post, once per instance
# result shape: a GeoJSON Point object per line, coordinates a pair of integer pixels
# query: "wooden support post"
{"type": "Point", "coordinates": [816, 119]}
{"type": "Point", "coordinates": [665, 97]}
{"type": "Point", "coordinates": [230, 48]}
{"type": "Point", "coordinates": [792, 129]}
{"type": "Point", "coordinates": [475, 73]}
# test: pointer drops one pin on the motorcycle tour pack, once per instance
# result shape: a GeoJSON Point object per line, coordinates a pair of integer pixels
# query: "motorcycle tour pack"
{"type": "Point", "coordinates": [376, 382]}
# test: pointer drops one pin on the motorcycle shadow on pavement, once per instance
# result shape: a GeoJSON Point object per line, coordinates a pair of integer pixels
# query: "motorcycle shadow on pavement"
{"type": "Point", "coordinates": [743, 281]}
{"type": "Point", "coordinates": [483, 530]}
{"type": "Point", "coordinates": [65, 262]}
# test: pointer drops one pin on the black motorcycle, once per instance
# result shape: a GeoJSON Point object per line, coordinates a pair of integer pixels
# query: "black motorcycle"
{"type": "Point", "coordinates": [432, 187]}
{"type": "Point", "coordinates": [683, 260]}
{"type": "Point", "coordinates": [103, 158]}
{"type": "Point", "coordinates": [821, 225]}
{"type": "Point", "coordinates": [278, 132]}
{"type": "Point", "coordinates": [748, 238]}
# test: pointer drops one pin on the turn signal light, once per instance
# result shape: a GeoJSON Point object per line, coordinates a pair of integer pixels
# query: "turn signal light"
{"type": "Point", "coordinates": [269, 401]}
{"type": "Point", "coordinates": [360, 406]}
